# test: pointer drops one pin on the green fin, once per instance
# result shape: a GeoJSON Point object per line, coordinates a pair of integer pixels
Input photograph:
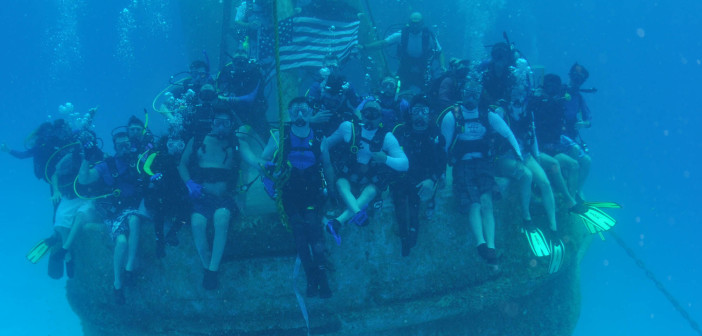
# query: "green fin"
{"type": "Point", "coordinates": [596, 220]}
{"type": "Point", "coordinates": [557, 255]}
{"type": "Point", "coordinates": [537, 241]}
{"type": "Point", "coordinates": [38, 251]}
{"type": "Point", "coordinates": [606, 205]}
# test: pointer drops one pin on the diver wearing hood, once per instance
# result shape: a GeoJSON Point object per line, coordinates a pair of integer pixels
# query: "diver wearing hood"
{"type": "Point", "coordinates": [423, 144]}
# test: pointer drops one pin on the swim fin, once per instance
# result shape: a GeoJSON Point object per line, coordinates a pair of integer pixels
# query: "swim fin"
{"type": "Point", "coordinates": [42, 248]}
{"type": "Point", "coordinates": [557, 254]}
{"type": "Point", "coordinates": [596, 220]}
{"type": "Point", "coordinates": [607, 205]}
{"type": "Point", "coordinates": [537, 240]}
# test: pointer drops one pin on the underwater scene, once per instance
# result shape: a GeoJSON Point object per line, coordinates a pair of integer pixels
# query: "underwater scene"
{"type": "Point", "coordinates": [351, 167]}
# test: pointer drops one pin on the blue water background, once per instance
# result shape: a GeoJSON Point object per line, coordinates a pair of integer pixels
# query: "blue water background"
{"type": "Point", "coordinates": [644, 57]}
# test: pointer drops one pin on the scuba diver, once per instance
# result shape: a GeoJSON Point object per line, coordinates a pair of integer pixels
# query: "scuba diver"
{"type": "Point", "coordinates": [497, 79]}
{"type": "Point", "coordinates": [578, 116]}
{"type": "Point", "coordinates": [333, 101]}
{"type": "Point", "coordinates": [446, 89]}
{"type": "Point", "coordinates": [424, 146]}
{"type": "Point", "coordinates": [46, 140]}
{"type": "Point", "coordinates": [240, 87]}
{"type": "Point", "coordinates": [469, 133]}
{"type": "Point", "coordinates": [548, 109]}
{"type": "Point", "coordinates": [392, 106]}
{"type": "Point", "coordinates": [301, 182]}
{"type": "Point", "coordinates": [527, 171]}
{"type": "Point", "coordinates": [417, 48]}
{"type": "Point", "coordinates": [373, 153]}
{"type": "Point", "coordinates": [118, 188]}
{"type": "Point", "coordinates": [209, 167]}
{"type": "Point", "coordinates": [166, 198]}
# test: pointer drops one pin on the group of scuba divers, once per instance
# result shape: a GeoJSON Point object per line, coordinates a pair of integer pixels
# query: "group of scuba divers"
{"type": "Point", "coordinates": [329, 166]}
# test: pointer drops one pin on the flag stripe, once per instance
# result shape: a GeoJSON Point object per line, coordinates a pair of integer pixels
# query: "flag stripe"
{"type": "Point", "coordinates": [305, 41]}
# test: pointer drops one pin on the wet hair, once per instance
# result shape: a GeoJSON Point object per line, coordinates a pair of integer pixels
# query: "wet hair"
{"type": "Point", "coordinates": [133, 120]}
{"type": "Point", "coordinates": [120, 134]}
{"type": "Point", "coordinates": [419, 99]}
{"type": "Point", "coordinates": [577, 68]}
{"type": "Point", "coordinates": [416, 100]}
{"type": "Point", "coordinates": [552, 82]}
{"type": "Point", "coordinates": [298, 100]}
{"type": "Point", "coordinates": [501, 50]}
{"type": "Point", "coordinates": [335, 83]}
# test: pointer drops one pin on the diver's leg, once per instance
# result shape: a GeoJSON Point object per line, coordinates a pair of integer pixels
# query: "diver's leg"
{"type": "Point", "coordinates": [570, 169]}
{"type": "Point", "coordinates": [343, 188]}
{"type": "Point", "coordinates": [541, 181]}
{"type": "Point", "coordinates": [221, 228]}
{"type": "Point", "coordinates": [199, 226]}
{"type": "Point", "coordinates": [476, 224]}
{"type": "Point", "coordinates": [119, 256]}
{"type": "Point", "coordinates": [515, 170]}
{"type": "Point", "coordinates": [488, 218]}
{"type": "Point", "coordinates": [132, 242]}
{"type": "Point", "coordinates": [553, 170]}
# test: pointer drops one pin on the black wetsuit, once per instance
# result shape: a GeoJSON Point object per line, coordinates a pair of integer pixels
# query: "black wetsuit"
{"type": "Point", "coordinates": [427, 160]}
{"type": "Point", "coordinates": [303, 196]}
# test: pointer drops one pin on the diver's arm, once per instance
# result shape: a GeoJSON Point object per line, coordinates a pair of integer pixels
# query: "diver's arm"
{"type": "Point", "coordinates": [500, 126]}
{"type": "Point", "coordinates": [245, 151]}
{"type": "Point", "coordinates": [396, 158]}
{"type": "Point", "coordinates": [184, 160]}
{"type": "Point", "coordinates": [448, 127]}
{"type": "Point", "coordinates": [271, 147]}
{"type": "Point", "coordinates": [22, 155]}
{"type": "Point", "coordinates": [327, 166]}
{"type": "Point", "coordinates": [87, 174]}
{"type": "Point", "coordinates": [342, 134]}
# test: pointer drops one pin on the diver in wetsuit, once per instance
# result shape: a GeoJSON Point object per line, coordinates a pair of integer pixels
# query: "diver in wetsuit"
{"type": "Point", "coordinates": [424, 146]}
{"type": "Point", "coordinates": [303, 191]}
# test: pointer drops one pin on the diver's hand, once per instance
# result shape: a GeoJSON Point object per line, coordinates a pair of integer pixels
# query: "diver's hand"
{"type": "Point", "coordinates": [582, 124]}
{"type": "Point", "coordinates": [194, 189]}
{"type": "Point", "coordinates": [4, 148]}
{"type": "Point", "coordinates": [321, 116]}
{"type": "Point", "coordinates": [379, 157]}
{"type": "Point", "coordinates": [56, 198]}
{"type": "Point", "coordinates": [425, 189]}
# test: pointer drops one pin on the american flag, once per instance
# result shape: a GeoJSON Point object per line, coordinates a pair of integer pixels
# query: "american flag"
{"type": "Point", "coordinates": [305, 41]}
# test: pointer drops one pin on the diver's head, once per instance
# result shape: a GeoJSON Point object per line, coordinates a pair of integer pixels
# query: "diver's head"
{"type": "Point", "coordinates": [501, 55]}
{"type": "Point", "coordinates": [333, 92]}
{"type": "Point", "coordinates": [388, 87]}
{"type": "Point", "coordinates": [470, 94]}
{"type": "Point", "coordinates": [199, 70]}
{"type": "Point", "coordinates": [207, 93]}
{"type": "Point", "coordinates": [416, 22]}
{"type": "Point", "coordinates": [175, 145]}
{"type": "Point", "coordinates": [578, 75]}
{"type": "Point", "coordinates": [371, 115]}
{"type": "Point", "coordinates": [553, 87]}
{"type": "Point", "coordinates": [122, 144]}
{"type": "Point", "coordinates": [135, 128]}
{"type": "Point", "coordinates": [222, 123]}
{"type": "Point", "coordinates": [299, 111]}
{"type": "Point", "coordinates": [330, 65]}
{"type": "Point", "coordinates": [419, 113]}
